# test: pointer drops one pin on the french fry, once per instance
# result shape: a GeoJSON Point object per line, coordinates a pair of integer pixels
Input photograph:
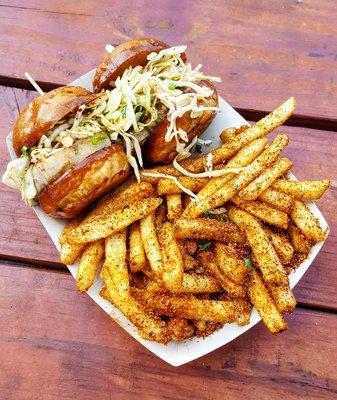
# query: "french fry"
{"type": "Point", "coordinates": [173, 271]}
{"type": "Point", "coordinates": [304, 190]}
{"type": "Point", "coordinates": [264, 304]}
{"type": "Point", "coordinates": [174, 206]}
{"type": "Point", "coordinates": [228, 149]}
{"type": "Point", "coordinates": [264, 252]}
{"type": "Point", "coordinates": [243, 158]}
{"type": "Point", "coordinates": [298, 239]}
{"type": "Point", "coordinates": [189, 261]}
{"type": "Point", "coordinates": [280, 201]}
{"type": "Point", "coordinates": [283, 297]}
{"type": "Point", "coordinates": [70, 252]}
{"type": "Point", "coordinates": [137, 258]}
{"type": "Point", "coordinates": [206, 328]}
{"type": "Point", "coordinates": [114, 222]}
{"type": "Point", "coordinates": [229, 262]}
{"type": "Point", "coordinates": [228, 190]}
{"type": "Point", "coordinates": [281, 244]}
{"type": "Point", "coordinates": [151, 244]}
{"type": "Point", "coordinates": [150, 327]}
{"type": "Point", "coordinates": [179, 329]}
{"type": "Point", "coordinates": [229, 134]}
{"type": "Point", "coordinates": [89, 264]}
{"type": "Point", "coordinates": [120, 198]}
{"type": "Point", "coordinates": [266, 179]}
{"type": "Point", "coordinates": [207, 229]}
{"type": "Point", "coordinates": [115, 261]}
{"type": "Point", "coordinates": [243, 309]}
{"type": "Point", "coordinates": [233, 290]}
{"type": "Point", "coordinates": [307, 222]}
{"type": "Point", "coordinates": [161, 215]}
{"type": "Point", "coordinates": [191, 283]}
{"type": "Point", "coordinates": [168, 186]}
{"type": "Point", "coordinates": [187, 306]}
{"type": "Point", "coordinates": [263, 212]}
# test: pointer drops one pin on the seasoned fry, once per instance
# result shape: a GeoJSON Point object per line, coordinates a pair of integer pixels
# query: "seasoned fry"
{"type": "Point", "coordinates": [207, 229]}
{"type": "Point", "coordinates": [187, 306]}
{"type": "Point", "coordinates": [120, 198]}
{"type": "Point", "coordinates": [189, 261]}
{"type": "Point", "coordinates": [228, 149]}
{"type": "Point", "coordinates": [89, 264]}
{"type": "Point", "coordinates": [174, 206]}
{"type": "Point", "coordinates": [115, 261]}
{"type": "Point", "coordinates": [150, 327]}
{"type": "Point", "coordinates": [307, 222]}
{"type": "Point", "coordinates": [266, 179]}
{"type": "Point", "coordinates": [73, 223]}
{"type": "Point", "coordinates": [137, 258]}
{"type": "Point", "coordinates": [280, 201]}
{"type": "Point", "coordinates": [243, 309]}
{"type": "Point", "coordinates": [179, 329]}
{"type": "Point", "coordinates": [281, 244]}
{"type": "Point", "coordinates": [114, 222]}
{"type": "Point", "coordinates": [266, 257]}
{"type": "Point", "coordinates": [229, 134]}
{"type": "Point", "coordinates": [304, 190]}
{"type": "Point", "coordinates": [151, 244]}
{"type": "Point", "coordinates": [172, 274]}
{"type": "Point", "coordinates": [161, 215]}
{"type": "Point", "coordinates": [283, 297]}
{"type": "Point", "coordinates": [229, 262]}
{"type": "Point", "coordinates": [298, 239]}
{"type": "Point", "coordinates": [191, 283]}
{"type": "Point", "coordinates": [70, 252]}
{"type": "Point", "coordinates": [168, 186]}
{"type": "Point", "coordinates": [233, 290]}
{"type": "Point", "coordinates": [243, 158]}
{"type": "Point", "coordinates": [228, 190]}
{"type": "Point", "coordinates": [263, 212]}
{"type": "Point", "coordinates": [264, 304]}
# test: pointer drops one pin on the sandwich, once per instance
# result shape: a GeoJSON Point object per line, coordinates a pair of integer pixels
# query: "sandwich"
{"type": "Point", "coordinates": [73, 145]}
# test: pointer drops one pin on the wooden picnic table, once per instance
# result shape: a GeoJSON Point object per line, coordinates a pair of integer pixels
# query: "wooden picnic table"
{"type": "Point", "coordinates": [56, 343]}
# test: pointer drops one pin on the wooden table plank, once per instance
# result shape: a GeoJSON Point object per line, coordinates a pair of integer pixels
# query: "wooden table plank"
{"type": "Point", "coordinates": [295, 53]}
{"type": "Point", "coordinates": [314, 156]}
{"type": "Point", "coordinates": [59, 337]}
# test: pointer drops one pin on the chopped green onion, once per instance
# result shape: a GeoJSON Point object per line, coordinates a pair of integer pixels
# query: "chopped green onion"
{"type": "Point", "coordinates": [98, 138]}
{"type": "Point", "coordinates": [124, 112]}
{"type": "Point", "coordinates": [25, 151]}
{"type": "Point", "coordinates": [204, 244]}
{"type": "Point", "coordinates": [248, 263]}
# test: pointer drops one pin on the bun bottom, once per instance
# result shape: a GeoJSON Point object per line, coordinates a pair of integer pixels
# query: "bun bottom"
{"type": "Point", "coordinates": [69, 194]}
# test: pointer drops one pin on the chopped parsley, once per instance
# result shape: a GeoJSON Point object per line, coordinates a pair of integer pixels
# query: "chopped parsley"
{"type": "Point", "coordinates": [98, 138]}
{"type": "Point", "coordinates": [248, 263]}
{"type": "Point", "coordinates": [25, 151]}
{"type": "Point", "coordinates": [234, 184]}
{"type": "Point", "coordinates": [207, 214]}
{"type": "Point", "coordinates": [171, 86]}
{"type": "Point", "coordinates": [204, 244]}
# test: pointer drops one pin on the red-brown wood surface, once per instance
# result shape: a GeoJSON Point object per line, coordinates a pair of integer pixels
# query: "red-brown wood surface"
{"type": "Point", "coordinates": [71, 349]}
{"type": "Point", "coordinates": [265, 51]}
{"type": "Point", "coordinates": [56, 343]}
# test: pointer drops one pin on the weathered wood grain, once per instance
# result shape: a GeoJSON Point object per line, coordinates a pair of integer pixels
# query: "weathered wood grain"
{"type": "Point", "coordinates": [57, 344]}
{"type": "Point", "coordinates": [264, 51]}
{"type": "Point", "coordinates": [312, 151]}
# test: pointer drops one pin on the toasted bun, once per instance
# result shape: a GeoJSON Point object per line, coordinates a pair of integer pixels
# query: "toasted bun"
{"type": "Point", "coordinates": [68, 195]}
{"type": "Point", "coordinates": [44, 112]}
{"type": "Point", "coordinates": [128, 54]}
{"type": "Point", "coordinates": [157, 150]}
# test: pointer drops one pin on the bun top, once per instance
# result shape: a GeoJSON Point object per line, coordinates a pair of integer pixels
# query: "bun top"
{"type": "Point", "coordinates": [128, 54]}
{"type": "Point", "coordinates": [44, 112]}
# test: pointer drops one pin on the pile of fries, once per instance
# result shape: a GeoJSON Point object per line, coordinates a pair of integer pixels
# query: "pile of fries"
{"type": "Point", "coordinates": [178, 267]}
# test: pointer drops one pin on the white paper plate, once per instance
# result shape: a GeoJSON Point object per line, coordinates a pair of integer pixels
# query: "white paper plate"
{"type": "Point", "coordinates": [176, 353]}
